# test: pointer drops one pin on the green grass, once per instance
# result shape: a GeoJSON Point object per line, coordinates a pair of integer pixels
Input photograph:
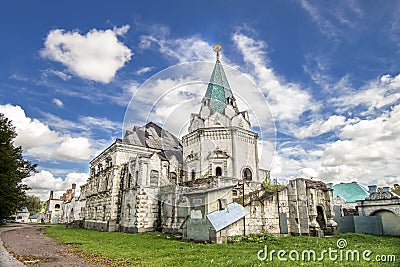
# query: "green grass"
{"type": "Point", "coordinates": [156, 249]}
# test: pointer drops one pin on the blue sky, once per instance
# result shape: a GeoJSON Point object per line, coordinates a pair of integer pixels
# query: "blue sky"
{"type": "Point", "coordinates": [329, 71]}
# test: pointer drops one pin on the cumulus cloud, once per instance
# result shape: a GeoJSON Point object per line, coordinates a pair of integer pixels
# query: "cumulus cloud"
{"type": "Point", "coordinates": [370, 98]}
{"type": "Point", "coordinates": [43, 182]}
{"type": "Point", "coordinates": [367, 150]}
{"type": "Point", "coordinates": [73, 149]}
{"type": "Point", "coordinates": [95, 56]}
{"type": "Point", "coordinates": [43, 143]}
{"type": "Point", "coordinates": [30, 132]}
{"type": "Point", "coordinates": [58, 102]}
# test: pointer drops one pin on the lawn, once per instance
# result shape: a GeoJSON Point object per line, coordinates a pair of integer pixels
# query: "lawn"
{"type": "Point", "coordinates": [156, 249]}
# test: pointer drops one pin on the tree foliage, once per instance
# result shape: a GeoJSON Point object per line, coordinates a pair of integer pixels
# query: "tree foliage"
{"type": "Point", "coordinates": [33, 204]}
{"type": "Point", "coordinates": [273, 186]}
{"type": "Point", "coordinates": [396, 189]}
{"type": "Point", "coordinates": [13, 168]}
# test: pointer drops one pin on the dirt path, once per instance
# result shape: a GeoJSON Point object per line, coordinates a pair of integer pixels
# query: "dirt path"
{"type": "Point", "coordinates": [28, 244]}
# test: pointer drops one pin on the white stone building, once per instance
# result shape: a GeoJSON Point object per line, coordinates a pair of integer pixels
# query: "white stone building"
{"type": "Point", "coordinates": [151, 181]}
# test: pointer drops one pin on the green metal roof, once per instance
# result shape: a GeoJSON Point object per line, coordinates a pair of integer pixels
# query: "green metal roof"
{"type": "Point", "coordinates": [218, 89]}
{"type": "Point", "coordinates": [350, 192]}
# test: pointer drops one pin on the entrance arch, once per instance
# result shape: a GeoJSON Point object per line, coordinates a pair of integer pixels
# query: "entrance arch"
{"type": "Point", "coordinates": [321, 217]}
{"type": "Point", "coordinates": [390, 222]}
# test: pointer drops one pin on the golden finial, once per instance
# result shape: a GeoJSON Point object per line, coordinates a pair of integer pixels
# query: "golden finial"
{"type": "Point", "coordinates": [217, 48]}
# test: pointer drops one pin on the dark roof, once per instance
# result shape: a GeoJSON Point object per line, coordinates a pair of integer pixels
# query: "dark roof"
{"type": "Point", "coordinates": [315, 184]}
{"type": "Point", "coordinates": [35, 216]}
{"type": "Point", "coordinates": [153, 136]}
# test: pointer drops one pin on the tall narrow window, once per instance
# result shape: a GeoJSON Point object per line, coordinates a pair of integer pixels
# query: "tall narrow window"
{"type": "Point", "coordinates": [129, 180]}
{"type": "Point", "coordinates": [193, 175]}
{"type": "Point", "coordinates": [154, 178]}
{"type": "Point", "coordinates": [247, 174]}
{"type": "Point", "coordinates": [218, 171]}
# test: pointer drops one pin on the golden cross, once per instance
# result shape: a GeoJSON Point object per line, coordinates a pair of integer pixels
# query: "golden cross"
{"type": "Point", "coordinates": [217, 48]}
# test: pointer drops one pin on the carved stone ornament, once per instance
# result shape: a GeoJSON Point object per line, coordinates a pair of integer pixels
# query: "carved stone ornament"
{"type": "Point", "coordinates": [380, 196]}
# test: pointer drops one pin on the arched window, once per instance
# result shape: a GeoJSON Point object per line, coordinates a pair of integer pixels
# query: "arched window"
{"type": "Point", "coordinates": [218, 171]}
{"type": "Point", "coordinates": [57, 206]}
{"type": "Point", "coordinates": [154, 178]}
{"type": "Point", "coordinates": [247, 174]}
{"type": "Point", "coordinates": [173, 177]}
{"type": "Point", "coordinates": [193, 175]}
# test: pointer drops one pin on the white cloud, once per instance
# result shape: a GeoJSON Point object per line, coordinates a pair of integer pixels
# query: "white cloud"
{"type": "Point", "coordinates": [42, 143]}
{"type": "Point", "coordinates": [188, 49]}
{"type": "Point", "coordinates": [374, 95]}
{"type": "Point", "coordinates": [62, 75]}
{"type": "Point", "coordinates": [287, 100]}
{"type": "Point", "coordinates": [143, 70]}
{"type": "Point", "coordinates": [319, 127]}
{"type": "Point", "coordinates": [58, 102]}
{"type": "Point", "coordinates": [121, 31]}
{"type": "Point", "coordinates": [333, 18]}
{"type": "Point", "coordinates": [96, 56]}
{"type": "Point", "coordinates": [43, 182]}
{"type": "Point", "coordinates": [73, 149]}
{"type": "Point", "coordinates": [30, 132]}
{"type": "Point", "coordinates": [368, 149]}
{"type": "Point", "coordinates": [103, 123]}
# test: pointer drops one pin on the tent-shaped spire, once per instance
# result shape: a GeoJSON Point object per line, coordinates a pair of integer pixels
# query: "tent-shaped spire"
{"type": "Point", "coordinates": [218, 90]}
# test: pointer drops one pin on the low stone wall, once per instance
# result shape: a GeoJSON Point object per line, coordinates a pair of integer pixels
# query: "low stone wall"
{"type": "Point", "coordinates": [102, 226]}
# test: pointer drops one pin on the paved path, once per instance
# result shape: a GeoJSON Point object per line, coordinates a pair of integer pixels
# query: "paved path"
{"type": "Point", "coordinates": [6, 260]}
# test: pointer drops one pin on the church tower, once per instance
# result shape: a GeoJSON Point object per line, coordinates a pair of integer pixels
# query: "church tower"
{"type": "Point", "coordinates": [220, 142]}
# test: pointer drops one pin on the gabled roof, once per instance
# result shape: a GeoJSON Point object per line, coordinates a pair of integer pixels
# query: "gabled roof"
{"type": "Point", "coordinates": [218, 89]}
{"type": "Point", "coordinates": [350, 192]}
{"type": "Point", "coordinates": [153, 136]}
{"type": "Point", "coordinates": [223, 218]}
{"type": "Point", "coordinates": [35, 216]}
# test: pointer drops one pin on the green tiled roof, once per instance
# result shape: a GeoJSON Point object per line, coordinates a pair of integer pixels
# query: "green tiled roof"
{"type": "Point", "coordinates": [218, 89]}
{"type": "Point", "coordinates": [350, 192]}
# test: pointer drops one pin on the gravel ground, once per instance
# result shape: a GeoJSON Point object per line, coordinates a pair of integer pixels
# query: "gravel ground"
{"type": "Point", "coordinates": [28, 244]}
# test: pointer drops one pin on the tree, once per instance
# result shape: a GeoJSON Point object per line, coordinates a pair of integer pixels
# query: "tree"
{"type": "Point", "coordinates": [13, 168]}
{"type": "Point", "coordinates": [396, 189]}
{"type": "Point", "coordinates": [33, 204]}
{"type": "Point", "coordinates": [272, 187]}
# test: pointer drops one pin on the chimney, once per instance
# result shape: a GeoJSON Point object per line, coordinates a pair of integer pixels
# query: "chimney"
{"type": "Point", "coordinates": [51, 195]}
{"type": "Point", "coordinates": [386, 189]}
{"type": "Point", "coordinates": [73, 186]}
{"type": "Point", "coordinates": [372, 189]}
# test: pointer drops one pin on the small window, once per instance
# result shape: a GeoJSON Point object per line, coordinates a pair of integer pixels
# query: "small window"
{"type": "Point", "coordinates": [193, 175]}
{"type": "Point", "coordinates": [129, 180]}
{"type": "Point", "coordinates": [173, 177]}
{"type": "Point", "coordinates": [57, 206]}
{"type": "Point", "coordinates": [247, 174]}
{"type": "Point", "coordinates": [218, 171]}
{"type": "Point", "coordinates": [154, 178]}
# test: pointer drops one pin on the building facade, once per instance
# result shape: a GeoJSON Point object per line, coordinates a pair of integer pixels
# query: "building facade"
{"type": "Point", "coordinates": [150, 180]}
